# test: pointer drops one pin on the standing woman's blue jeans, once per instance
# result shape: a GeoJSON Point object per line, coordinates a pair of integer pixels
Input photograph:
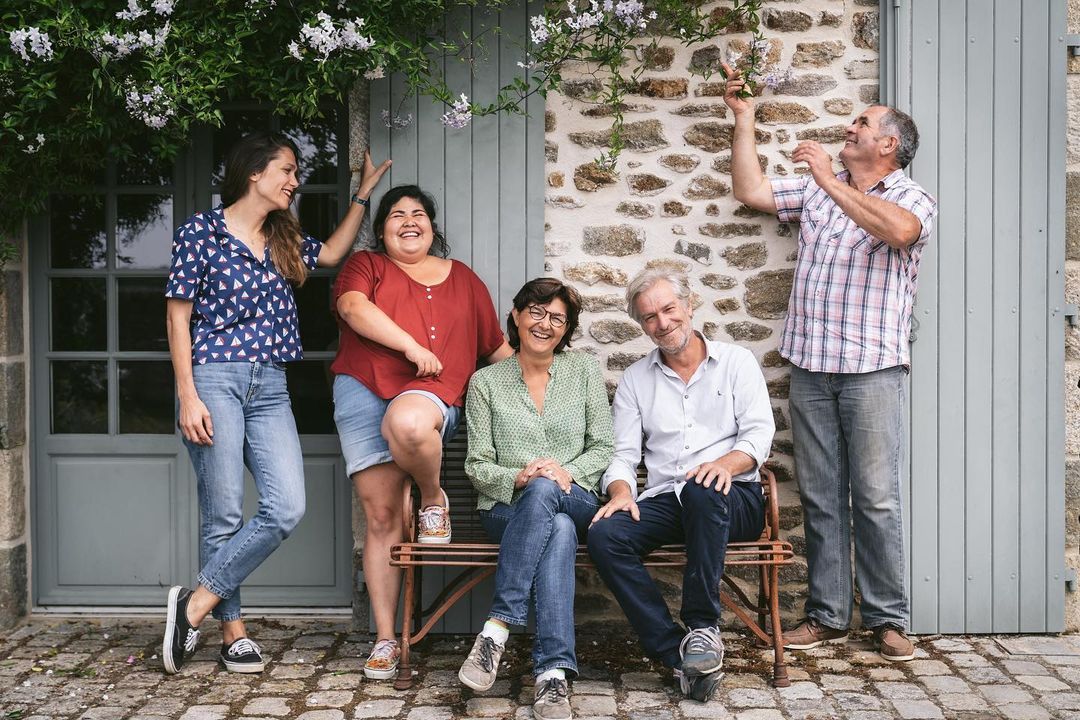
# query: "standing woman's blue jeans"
{"type": "Point", "coordinates": [253, 426]}
{"type": "Point", "coordinates": [538, 538]}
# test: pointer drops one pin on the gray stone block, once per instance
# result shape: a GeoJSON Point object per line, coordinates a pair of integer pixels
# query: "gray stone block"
{"type": "Point", "coordinates": [12, 495]}
{"type": "Point", "coordinates": [12, 404]}
{"type": "Point", "coordinates": [11, 313]}
{"type": "Point", "coordinates": [12, 585]}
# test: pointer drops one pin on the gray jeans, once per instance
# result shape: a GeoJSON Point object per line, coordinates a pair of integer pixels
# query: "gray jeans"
{"type": "Point", "coordinates": [849, 436]}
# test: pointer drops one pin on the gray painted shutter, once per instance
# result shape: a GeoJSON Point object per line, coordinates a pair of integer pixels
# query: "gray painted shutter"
{"type": "Point", "coordinates": [985, 83]}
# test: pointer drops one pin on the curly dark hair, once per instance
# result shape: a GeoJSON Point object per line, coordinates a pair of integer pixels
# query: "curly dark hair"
{"type": "Point", "coordinates": [540, 292]}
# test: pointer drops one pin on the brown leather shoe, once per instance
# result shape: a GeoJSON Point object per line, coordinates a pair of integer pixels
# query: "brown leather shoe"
{"type": "Point", "coordinates": [893, 644]}
{"type": "Point", "coordinates": [811, 634]}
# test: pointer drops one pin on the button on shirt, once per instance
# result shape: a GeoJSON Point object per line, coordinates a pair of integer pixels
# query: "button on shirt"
{"type": "Point", "coordinates": [243, 310]}
{"type": "Point", "coordinates": [724, 407]}
{"type": "Point", "coordinates": [852, 295]}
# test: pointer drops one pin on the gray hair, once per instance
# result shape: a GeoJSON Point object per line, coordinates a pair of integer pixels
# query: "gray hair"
{"type": "Point", "coordinates": [645, 279]}
{"type": "Point", "coordinates": [899, 125]}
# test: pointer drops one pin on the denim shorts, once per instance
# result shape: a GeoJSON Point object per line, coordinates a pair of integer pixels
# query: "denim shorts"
{"type": "Point", "coordinates": [358, 413]}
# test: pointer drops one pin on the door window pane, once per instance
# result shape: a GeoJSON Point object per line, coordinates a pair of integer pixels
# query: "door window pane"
{"type": "Point", "coordinates": [78, 314]}
{"type": "Point", "coordinates": [312, 400]}
{"type": "Point", "coordinates": [77, 231]}
{"type": "Point", "coordinates": [141, 314]}
{"type": "Point", "coordinates": [143, 166]}
{"type": "Point", "coordinates": [318, 214]}
{"type": "Point", "coordinates": [317, 142]}
{"type": "Point", "coordinates": [146, 397]}
{"type": "Point", "coordinates": [144, 228]}
{"type": "Point", "coordinates": [318, 329]}
{"type": "Point", "coordinates": [79, 396]}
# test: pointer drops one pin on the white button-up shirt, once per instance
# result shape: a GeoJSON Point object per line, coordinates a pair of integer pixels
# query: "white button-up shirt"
{"type": "Point", "coordinates": [724, 407]}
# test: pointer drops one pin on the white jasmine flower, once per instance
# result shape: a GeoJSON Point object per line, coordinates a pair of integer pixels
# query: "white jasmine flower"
{"type": "Point", "coordinates": [133, 12]}
{"type": "Point", "coordinates": [459, 114]}
{"type": "Point", "coordinates": [29, 43]}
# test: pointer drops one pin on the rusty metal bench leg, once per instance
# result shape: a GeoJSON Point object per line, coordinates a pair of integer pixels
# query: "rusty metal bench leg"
{"type": "Point", "coordinates": [404, 679]}
{"type": "Point", "coordinates": [780, 676]}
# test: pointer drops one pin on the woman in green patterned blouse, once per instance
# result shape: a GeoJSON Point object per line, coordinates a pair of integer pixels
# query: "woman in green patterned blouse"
{"type": "Point", "coordinates": [539, 439]}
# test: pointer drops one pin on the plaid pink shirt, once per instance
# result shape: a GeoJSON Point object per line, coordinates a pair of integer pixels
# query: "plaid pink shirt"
{"type": "Point", "coordinates": [852, 295]}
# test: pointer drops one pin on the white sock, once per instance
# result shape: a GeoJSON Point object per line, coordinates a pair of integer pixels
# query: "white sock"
{"type": "Point", "coordinates": [496, 632]}
{"type": "Point", "coordinates": [548, 674]}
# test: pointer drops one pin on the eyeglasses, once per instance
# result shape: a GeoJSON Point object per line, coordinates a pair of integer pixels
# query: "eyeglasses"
{"type": "Point", "coordinates": [538, 313]}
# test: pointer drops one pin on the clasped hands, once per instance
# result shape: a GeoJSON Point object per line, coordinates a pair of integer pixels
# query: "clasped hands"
{"type": "Point", "coordinates": [544, 467]}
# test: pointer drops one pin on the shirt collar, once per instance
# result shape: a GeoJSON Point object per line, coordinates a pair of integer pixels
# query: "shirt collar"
{"type": "Point", "coordinates": [886, 182]}
{"type": "Point", "coordinates": [551, 369]}
{"type": "Point", "coordinates": [225, 238]}
{"type": "Point", "coordinates": [711, 352]}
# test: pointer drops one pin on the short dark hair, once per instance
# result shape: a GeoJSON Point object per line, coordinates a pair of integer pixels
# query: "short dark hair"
{"type": "Point", "coordinates": [541, 291]}
{"type": "Point", "coordinates": [900, 125]}
{"type": "Point", "coordinates": [439, 245]}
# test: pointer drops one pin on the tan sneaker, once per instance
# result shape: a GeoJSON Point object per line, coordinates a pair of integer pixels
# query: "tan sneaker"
{"type": "Point", "coordinates": [480, 668]}
{"type": "Point", "coordinates": [811, 634]}
{"type": "Point", "coordinates": [893, 644]}
{"type": "Point", "coordinates": [552, 701]}
{"type": "Point", "coordinates": [434, 523]}
{"type": "Point", "coordinates": [382, 663]}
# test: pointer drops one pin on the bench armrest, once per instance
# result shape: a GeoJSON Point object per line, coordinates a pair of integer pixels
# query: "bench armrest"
{"type": "Point", "coordinates": [772, 504]}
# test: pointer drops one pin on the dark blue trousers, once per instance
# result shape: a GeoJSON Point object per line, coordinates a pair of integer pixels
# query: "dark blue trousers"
{"type": "Point", "coordinates": [705, 521]}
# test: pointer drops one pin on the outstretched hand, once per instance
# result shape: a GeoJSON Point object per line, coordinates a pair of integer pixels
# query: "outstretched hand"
{"type": "Point", "coordinates": [371, 175]}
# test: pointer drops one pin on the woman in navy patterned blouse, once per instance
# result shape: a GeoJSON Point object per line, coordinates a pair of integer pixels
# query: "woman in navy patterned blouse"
{"type": "Point", "coordinates": [231, 319]}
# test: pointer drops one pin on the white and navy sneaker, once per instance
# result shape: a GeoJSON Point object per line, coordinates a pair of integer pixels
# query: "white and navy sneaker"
{"type": "Point", "coordinates": [180, 637]}
{"type": "Point", "coordinates": [243, 656]}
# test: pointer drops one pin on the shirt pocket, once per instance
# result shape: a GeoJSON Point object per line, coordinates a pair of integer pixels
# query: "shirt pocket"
{"type": "Point", "coordinates": [864, 242]}
{"type": "Point", "coordinates": [812, 223]}
{"type": "Point", "coordinates": [721, 411]}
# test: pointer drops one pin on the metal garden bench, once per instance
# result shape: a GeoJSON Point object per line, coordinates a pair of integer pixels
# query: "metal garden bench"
{"type": "Point", "coordinates": [477, 559]}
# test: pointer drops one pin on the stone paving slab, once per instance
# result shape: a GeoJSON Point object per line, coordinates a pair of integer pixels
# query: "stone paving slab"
{"type": "Point", "coordinates": [109, 669]}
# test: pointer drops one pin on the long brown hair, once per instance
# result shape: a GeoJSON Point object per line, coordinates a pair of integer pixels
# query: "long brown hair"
{"type": "Point", "coordinates": [250, 155]}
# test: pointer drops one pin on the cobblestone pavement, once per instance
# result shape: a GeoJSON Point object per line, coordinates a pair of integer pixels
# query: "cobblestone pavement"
{"type": "Point", "coordinates": [110, 669]}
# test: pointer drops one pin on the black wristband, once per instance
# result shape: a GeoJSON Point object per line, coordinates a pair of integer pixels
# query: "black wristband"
{"type": "Point", "coordinates": [361, 201]}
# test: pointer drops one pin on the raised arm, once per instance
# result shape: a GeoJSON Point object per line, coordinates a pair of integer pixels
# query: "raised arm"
{"type": "Point", "coordinates": [337, 246]}
{"type": "Point", "coordinates": [749, 184]}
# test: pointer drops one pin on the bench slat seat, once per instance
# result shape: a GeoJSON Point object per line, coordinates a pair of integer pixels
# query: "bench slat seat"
{"type": "Point", "coordinates": [478, 559]}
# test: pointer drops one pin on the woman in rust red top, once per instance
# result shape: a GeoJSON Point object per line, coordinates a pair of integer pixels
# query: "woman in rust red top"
{"type": "Point", "coordinates": [414, 325]}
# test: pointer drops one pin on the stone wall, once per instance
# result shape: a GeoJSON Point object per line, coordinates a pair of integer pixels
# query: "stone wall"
{"type": "Point", "coordinates": [14, 529]}
{"type": "Point", "coordinates": [1072, 335]}
{"type": "Point", "coordinates": [670, 204]}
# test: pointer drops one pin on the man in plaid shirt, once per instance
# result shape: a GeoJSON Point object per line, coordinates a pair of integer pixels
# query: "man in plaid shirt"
{"type": "Point", "coordinates": [861, 234]}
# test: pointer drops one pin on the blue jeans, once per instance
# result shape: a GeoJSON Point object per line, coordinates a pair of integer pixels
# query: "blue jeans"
{"type": "Point", "coordinates": [705, 521]}
{"type": "Point", "coordinates": [253, 426]}
{"type": "Point", "coordinates": [849, 436]}
{"type": "Point", "coordinates": [538, 537]}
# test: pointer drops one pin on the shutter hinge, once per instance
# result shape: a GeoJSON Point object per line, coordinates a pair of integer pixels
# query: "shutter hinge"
{"type": "Point", "coordinates": [1072, 42]}
{"type": "Point", "coordinates": [1070, 579]}
{"type": "Point", "coordinates": [1070, 312]}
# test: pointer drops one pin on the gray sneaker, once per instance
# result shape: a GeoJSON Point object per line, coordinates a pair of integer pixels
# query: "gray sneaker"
{"type": "Point", "coordinates": [699, 687]}
{"type": "Point", "coordinates": [480, 667]}
{"type": "Point", "coordinates": [702, 651]}
{"type": "Point", "coordinates": [552, 700]}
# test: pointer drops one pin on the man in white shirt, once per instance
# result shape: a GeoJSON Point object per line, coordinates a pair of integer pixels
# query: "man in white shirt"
{"type": "Point", "coordinates": [700, 413]}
